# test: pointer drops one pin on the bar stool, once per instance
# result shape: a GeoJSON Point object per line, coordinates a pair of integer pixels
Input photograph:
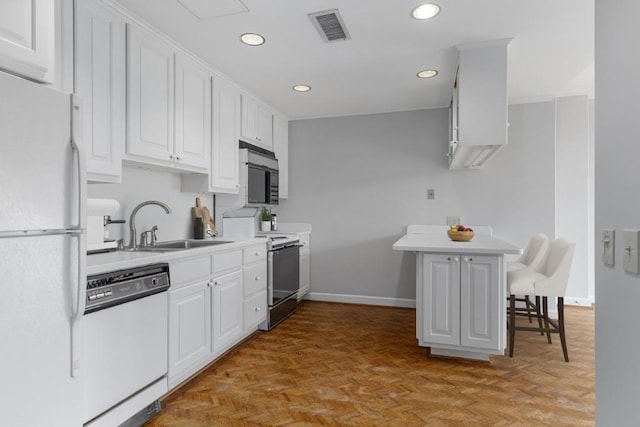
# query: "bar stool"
{"type": "Point", "coordinates": [552, 282]}
{"type": "Point", "coordinates": [533, 257]}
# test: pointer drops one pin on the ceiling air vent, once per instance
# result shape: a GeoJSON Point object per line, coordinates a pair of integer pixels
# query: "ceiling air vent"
{"type": "Point", "coordinates": [330, 25]}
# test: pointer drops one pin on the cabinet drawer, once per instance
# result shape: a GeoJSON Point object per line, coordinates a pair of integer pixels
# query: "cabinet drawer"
{"type": "Point", "coordinates": [255, 278]}
{"type": "Point", "coordinates": [187, 270]}
{"type": "Point", "coordinates": [227, 261]}
{"type": "Point", "coordinates": [255, 310]}
{"type": "Point", "coordinates": [255, 253]}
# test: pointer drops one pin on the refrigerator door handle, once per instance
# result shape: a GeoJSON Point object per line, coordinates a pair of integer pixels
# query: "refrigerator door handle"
{"type": "Point", "coordinates": [78, 231]}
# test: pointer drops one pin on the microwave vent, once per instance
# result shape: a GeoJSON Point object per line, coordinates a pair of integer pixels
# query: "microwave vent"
{"type": "Point", "coordinates": [330, 25]}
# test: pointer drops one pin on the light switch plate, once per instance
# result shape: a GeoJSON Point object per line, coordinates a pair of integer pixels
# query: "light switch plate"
{"type": "Point", "coordinates": [608, 246]}
{"type": "Point", "coordinates": [631, 240]}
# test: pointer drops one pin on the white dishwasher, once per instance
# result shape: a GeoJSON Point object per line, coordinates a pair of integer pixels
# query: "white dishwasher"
{"type": "Point", "coordinates": [124, 348]}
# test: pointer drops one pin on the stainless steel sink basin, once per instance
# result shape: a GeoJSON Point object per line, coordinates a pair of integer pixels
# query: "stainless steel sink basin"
{"type": "Point", "coordinates": [189, 244]}
{"type": "Point", "coordinates": [179, 245]}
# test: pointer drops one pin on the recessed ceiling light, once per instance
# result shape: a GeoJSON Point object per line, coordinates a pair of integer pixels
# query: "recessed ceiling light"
{"type": "Point", "coordinates": [427, 74]}
{"type": "Point", "coordinates": [426, 11]}
{"type": "Point", "coordinates": [301, 88]}
{"type": "Point", "coordinates": [252, 39]}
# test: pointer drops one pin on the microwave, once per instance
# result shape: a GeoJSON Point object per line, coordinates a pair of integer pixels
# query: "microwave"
{"type": "Point", "coordinates": [260, 173]}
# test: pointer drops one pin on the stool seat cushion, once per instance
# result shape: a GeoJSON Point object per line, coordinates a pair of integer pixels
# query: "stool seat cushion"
{"type": "Point", "coordinates": [522, 282]}
{"type": "Point", "coordinates": [515, 265]}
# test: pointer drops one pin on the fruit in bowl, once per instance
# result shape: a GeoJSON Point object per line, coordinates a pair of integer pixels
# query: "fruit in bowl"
{"type": "Point", "coordinates": [460, 233]}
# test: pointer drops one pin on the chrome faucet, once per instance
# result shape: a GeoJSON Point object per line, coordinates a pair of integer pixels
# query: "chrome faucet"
{"type": "Point", "coordinates": [132, 220]}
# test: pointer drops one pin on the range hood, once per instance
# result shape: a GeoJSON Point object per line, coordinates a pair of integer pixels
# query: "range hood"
{"type": "Point", "coordinates": [478, 112]}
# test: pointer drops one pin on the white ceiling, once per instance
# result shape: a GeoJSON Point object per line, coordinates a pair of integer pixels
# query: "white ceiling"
{"type": "Point", "coordinates": [552, 51]}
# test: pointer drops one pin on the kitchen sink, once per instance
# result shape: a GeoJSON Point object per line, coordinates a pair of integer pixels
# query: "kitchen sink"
{"type": "Point", "coordinates": [189, 244]}
{"type": "Point", "coordinates": [179, 245]}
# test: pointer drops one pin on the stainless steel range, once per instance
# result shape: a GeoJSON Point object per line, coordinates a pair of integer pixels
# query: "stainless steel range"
{"type": "Point", "coordinates": [283, 268]}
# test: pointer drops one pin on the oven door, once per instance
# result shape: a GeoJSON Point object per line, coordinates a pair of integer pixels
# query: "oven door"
{"type": "Point", "coordinates": [284, 273]}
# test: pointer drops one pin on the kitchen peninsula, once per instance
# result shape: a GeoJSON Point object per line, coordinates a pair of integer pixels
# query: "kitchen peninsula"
{"type": "Point", "coordinates": [460, 291]}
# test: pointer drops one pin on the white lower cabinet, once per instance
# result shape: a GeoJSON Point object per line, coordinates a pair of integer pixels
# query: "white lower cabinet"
{"type": "Point", "coordinates": [227, 309]}
{"type": "Point", "coordinates": [461, 304]}
{"type": "Point", "coordinates": [215, 301]}
{"type": "Point", "coordinates": [189, 327]}
{"type": "Point", "coordinates": [305, 260]}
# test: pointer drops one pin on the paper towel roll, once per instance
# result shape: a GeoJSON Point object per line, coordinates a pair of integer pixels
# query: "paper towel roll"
{"type": "Point", "coordinates": [101, 207]}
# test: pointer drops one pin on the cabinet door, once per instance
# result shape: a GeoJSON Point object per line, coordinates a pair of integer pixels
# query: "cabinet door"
{"type": "Point", "coordinates": [100, 82]}
{"type": "Point", "coordinates": [193, 114]}
{"type": "Point", "coordinates": [481, 302]}
{"type": "Point", "coordinates": [226, 132]}
{"type": "Point", "coordinates": [189, 328]}
{"type": "Point", "coordinates": [150, 69]}
{"type": "Point", "coordinates": [305, 283]}
{"type": "Point", "coordinates": [265, 127]}
{"type": "Point", "coordinates": [249, 128]}
{"type": "Point", "coordinates": [26, 38]}
{"type": "Point", "coordinates": [255, 310]}
{"type": "Point", "coordinates": [281, 148]}
{"type": "Point", "coordinates": [441, 299]}
{"type": "Point", "coordinates": [226, 310]}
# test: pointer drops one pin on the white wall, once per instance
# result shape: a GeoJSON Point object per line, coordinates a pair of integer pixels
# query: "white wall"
{"type": "Point", "coordinates": [360, 180]}
{"type": "Point", "coordinates": [139, 185]}
{"type": "Point", "coordinates": [617, 150]}
{"type": "Point", "coordinates": [574, 213]}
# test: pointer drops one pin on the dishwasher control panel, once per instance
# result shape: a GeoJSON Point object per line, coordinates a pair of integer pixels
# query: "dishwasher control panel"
{"type": "Point", "coordinates": [118, 287]}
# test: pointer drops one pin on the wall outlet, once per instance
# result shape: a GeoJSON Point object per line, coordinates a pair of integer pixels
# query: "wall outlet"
{"type": "Point", "coordinates": [431, 194]}
{"type": "Point", "coordinates": [453, 220]}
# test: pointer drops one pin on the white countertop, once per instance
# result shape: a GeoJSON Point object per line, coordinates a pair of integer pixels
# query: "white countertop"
{"type": "Point", "coordinates": [440, 243]}
{"type": "Point", "coordinates": [118, 260]}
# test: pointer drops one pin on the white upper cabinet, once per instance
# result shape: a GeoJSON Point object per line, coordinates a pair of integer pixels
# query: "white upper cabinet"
{"type": "Point", "coordinates": [223, 170]}
{"type": "Point", "coordinates": [100, 82]}
{"type": "Point", "coordinates": [27, 38]}
{"type": "Point", "coordinates": [479, 104]}
{"type": "Point", "coordinates": [156, 96]}
{"type": "Point", "coordinates": [257, 123]}
{"type": "Point", "coordinates": [226, 132]}
{"type": "Point", "coordinates": [193, 113]}
{"type": "Point", "coordinates": [281, 149]}
{"type": "Point", "coordinates": [150, 67]}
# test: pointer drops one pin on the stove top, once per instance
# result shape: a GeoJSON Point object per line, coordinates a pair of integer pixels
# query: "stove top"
{"type": "Point", "coordinates": [279, 240]}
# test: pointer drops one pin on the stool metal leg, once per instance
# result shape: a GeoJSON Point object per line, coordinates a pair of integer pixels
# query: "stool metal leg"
{"type": "Point", "coordinates": [563, 339]}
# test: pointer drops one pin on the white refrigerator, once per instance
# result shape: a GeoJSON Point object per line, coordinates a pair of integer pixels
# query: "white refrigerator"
{"type": "Point", "coordinates": [42, 255]}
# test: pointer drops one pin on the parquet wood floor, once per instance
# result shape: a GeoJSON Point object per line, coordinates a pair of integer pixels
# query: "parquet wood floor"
{"type": "Point", "coordinates": [353, 365]}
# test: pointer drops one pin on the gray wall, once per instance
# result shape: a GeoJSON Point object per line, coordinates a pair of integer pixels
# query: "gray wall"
{"type": "Point", "coordinates": [617, 206]}
{"type": "Point", "coordinates": [360, 180]}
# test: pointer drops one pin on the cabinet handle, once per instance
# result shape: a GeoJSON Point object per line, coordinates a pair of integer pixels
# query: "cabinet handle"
{"type": "Point", "coordinates": [178, 158]}
{"type": "Point", "coordinates": [257, 277]}
{"type": "Point", "coordinates": [216, 283]}
{"type": "Point", "coordinates": [257, 253]}
{"type": "Point", "coordinates": [467, 259]}
{"type": "Point", "coordinates": [171, 156]}
{"type": "Point", "coordinates": [209, 284]}
{"type": "Point", "coordinates": [454, 259]}
{"type": "Point", "coordinates": [257, 308]}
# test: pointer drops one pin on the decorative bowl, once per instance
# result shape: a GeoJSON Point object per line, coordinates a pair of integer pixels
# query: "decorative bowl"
{"type": "Point", "coordinates": [460, 236]}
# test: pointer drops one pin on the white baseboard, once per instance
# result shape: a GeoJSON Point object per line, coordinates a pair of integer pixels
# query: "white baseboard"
{"type": "Point", "coordinates": [583, 302]}
{"type": "Point", "coordinates": [361, 299]}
